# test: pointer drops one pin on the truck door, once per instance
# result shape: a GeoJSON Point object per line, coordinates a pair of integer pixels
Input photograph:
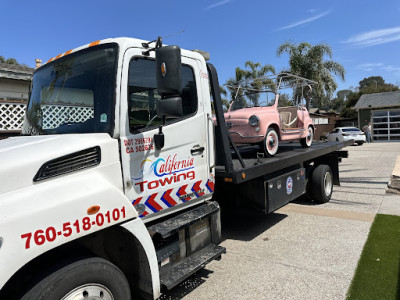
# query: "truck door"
{"type": "Point", "coordinates": [178, 174]}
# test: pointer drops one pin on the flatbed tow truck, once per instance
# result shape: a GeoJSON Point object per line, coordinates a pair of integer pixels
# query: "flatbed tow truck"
{"type": "Point", "coordinates": [114, 189]}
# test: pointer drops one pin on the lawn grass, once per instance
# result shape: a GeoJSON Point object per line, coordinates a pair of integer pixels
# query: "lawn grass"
{"type": "Point", "coordinates": [378, 270]}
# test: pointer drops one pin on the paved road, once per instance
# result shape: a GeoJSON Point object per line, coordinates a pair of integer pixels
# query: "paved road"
{"type": "Point", "coordinates": [302, 251]}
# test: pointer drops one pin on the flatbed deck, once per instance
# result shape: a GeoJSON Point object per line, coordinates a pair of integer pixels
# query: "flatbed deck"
{"type": "Point", "coordinates": [289, 154]}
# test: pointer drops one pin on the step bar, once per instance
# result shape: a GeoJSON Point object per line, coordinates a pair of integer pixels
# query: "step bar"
{"type": "Point", "coordinates": [190, 265]}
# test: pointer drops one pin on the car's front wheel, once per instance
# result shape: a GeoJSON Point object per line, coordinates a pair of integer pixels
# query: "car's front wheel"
{"type": "Point", "coordinates": [271, 143]}
{"type": "Point", "coordinates": [307, 141]}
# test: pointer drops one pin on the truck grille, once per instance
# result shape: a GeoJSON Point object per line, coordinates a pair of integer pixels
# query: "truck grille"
{"type": "Point", "coordinates": [69, 163]}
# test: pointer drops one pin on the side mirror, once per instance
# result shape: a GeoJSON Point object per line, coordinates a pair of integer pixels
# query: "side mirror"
{"type": "Point", "coordinates": [169, 87]}
{"type": "Point", "coordinates": [168, 71]}
{"type": "Point", "coordinates": [169, 107]}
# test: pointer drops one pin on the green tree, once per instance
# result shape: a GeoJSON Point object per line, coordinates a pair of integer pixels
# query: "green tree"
{"type": "Point", "coordinates": [246, 78]}
{"type": "Point", "coordinates": [225, 102]}
{"type": "Point", "coordinates": [342, 94]}
{"type": "Point", "coordinates": [308, 61]}
{"type": "Point", "coordinates": [370, 85]}
{"type": "Point", "coordinates": [11, 61]}
{"type": "Point", "coordinates": [371, 81]}
{"type": "Point", "coordinates": [284, 100]}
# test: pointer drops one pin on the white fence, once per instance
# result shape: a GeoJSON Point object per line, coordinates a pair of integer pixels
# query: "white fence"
{"type": "Point", "coordinates": [12, 115]}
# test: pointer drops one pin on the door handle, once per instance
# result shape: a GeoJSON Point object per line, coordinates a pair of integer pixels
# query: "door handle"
{"type": "Point", "coordinates": [197, 150]}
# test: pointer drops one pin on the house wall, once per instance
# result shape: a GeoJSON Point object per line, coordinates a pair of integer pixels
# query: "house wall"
{"type": "Point", "coordinates": [364, 114]}
{"type": "Point", "coordinates": [322, 129]}
{"type": "Point", "coordinates": [11, 89]}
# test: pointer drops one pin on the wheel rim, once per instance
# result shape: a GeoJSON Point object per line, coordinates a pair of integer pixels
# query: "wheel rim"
{"type": "Point", "coordinates": [328, 183]}
{"type": "Point", "coordinates": [91, 291]}
{"type": "Point", "coordinates": [309, 136]}
{"type": "Point", "coordinates": [271, 142]}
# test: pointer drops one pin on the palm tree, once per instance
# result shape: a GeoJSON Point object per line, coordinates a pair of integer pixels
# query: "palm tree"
{"type": "Point", "coordinates": [246, 77]}
{"type": "Point", "coordinates": [307, 61]}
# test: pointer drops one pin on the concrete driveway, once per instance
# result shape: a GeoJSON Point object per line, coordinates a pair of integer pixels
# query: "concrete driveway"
{"type": "Point", "coordinates": [302, 251]}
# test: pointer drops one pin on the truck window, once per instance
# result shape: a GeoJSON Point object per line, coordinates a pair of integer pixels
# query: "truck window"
{"type": "Point", "coordinates": [143, 96]}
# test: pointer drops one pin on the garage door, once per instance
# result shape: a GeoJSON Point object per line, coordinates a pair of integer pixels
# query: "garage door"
{"type": "Point", "coordinates": [386, 125]}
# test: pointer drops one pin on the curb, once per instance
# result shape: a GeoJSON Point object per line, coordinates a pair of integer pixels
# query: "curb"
{"type": "Point", "coordinates": [394, 182]}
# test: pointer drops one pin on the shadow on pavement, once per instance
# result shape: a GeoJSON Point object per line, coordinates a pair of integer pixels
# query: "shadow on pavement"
{"type": "Point", "coordinates": [189, 285]}
{"type": "Point", "coordinates": [245, 225]}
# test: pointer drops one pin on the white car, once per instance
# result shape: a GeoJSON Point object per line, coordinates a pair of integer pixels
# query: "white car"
{"type": "Point", "coordinates": [346, 134]}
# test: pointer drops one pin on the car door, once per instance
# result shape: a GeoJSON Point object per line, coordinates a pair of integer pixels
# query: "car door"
{"type": "Point", "coordinates": [162, 180]}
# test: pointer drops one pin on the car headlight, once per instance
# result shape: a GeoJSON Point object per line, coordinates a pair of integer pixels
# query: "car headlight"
{"type": "Point", "coordinates": [254, 120]}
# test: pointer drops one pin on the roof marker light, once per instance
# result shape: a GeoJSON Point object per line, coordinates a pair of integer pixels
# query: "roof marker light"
{"type": "Point", "coordinates": [94, 43]}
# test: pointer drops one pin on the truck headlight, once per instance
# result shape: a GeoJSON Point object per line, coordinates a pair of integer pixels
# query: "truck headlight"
{"type": "Point", "coordinates": [254, 120]}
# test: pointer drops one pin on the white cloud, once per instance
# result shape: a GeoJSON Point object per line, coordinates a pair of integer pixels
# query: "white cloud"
{"type": "Point", "coordinates": [369, 66]}
{"type": "Point", "coordinates": [376, 67]}
{"type": "Point", "coordinates": [312, 10]}
{"type": "Point", "coordinates": [374, 37]}
{"type": "Point", "coordinates": [305, 21]}
{"type": "Point", "coordinates": [217, 4]}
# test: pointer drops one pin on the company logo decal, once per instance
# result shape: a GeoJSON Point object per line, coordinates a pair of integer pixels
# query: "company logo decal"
{"type": "Point", "coordinates": [165, 171]}
{"type": "Point", "coordinates": [162, 167]}
{"type": "Point", "coordinates": [289, 185]}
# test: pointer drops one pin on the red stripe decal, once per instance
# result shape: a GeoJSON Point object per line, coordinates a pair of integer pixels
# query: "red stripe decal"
{"type": "Point", "coordinates": [137, 201]}
{"type": "Point", "coordinates": [210, 186]}
{"type": "Point", "coordinates": [181, 192]}
{"type": "Point", "coordinates": [152, 204]}
{"type": "Point", "coordinates": [196, 188]}
{"type": "Point", "coordinates": [167, 199]}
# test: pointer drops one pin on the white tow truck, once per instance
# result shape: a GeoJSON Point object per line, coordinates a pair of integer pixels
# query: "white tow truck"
{"type": "Point", "coordinates": [109, 193]}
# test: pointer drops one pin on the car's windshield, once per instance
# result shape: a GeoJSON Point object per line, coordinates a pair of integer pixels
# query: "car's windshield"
{"type": "Point", "coordinates": [253, 99]}
{"type": "Point", "coordinates": [74, 94]}
{"type": "Point", "coordinates": [350, 129]}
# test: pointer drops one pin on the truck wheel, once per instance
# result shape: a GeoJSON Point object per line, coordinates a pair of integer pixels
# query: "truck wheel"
{"type": "Point", "coordinates": [88, 278]}
{"type": "Point", "coordinates": [307, 141]}
{"type": "Point", "coordinates": [321, 184]}
{"type": "Point", "coordinates": [271, 143]}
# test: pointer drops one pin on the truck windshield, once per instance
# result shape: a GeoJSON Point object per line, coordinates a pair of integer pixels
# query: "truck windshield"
{"type": "Point", "coordinates": [74, 94]}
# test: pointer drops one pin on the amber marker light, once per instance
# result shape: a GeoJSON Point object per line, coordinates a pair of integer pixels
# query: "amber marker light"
{"type": "Point", "coordinates": [163, 69]}
{"type": "Point", "coordinates": [228, 179]}
{"type": "Point", "coordinates": [94, 43]}
{"type": "Point", "coordinates": [243, 175]}
{"type": "Point", "coordinates": [93, 210]}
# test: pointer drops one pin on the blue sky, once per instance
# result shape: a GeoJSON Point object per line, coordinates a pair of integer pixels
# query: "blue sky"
{"type": "Point", "coordinates": [364, 35]}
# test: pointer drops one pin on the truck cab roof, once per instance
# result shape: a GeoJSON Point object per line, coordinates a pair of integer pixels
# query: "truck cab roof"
{"type": "Point", "coordinates": [123, 43]}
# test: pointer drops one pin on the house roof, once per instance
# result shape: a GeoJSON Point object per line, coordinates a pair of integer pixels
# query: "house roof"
{"type": "Point", "coordinates": [378, 100]}
{"type": "Point", "coordinates": [18, 72]}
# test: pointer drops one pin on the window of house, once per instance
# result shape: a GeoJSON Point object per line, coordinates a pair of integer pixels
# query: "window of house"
{"type": "Point", "coordinates": [143, 95]}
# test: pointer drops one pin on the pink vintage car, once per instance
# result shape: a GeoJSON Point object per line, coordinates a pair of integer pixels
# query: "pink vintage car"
{"type": "Point", "coordinates": [269, 125]}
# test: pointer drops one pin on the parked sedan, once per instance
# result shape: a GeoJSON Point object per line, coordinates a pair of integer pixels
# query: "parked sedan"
{"type": "Point", "coordinates": [346, 134]}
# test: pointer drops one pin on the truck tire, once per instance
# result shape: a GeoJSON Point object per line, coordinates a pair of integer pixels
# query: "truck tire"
{"type": "Point", "coordinates": [321, 184]}
{"type": "Point", "coordinates": [87, 278]}
{"type": "Point", "coordinates": [270, 143]}
{"type": "Point", "coordinates": [307, 141]}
